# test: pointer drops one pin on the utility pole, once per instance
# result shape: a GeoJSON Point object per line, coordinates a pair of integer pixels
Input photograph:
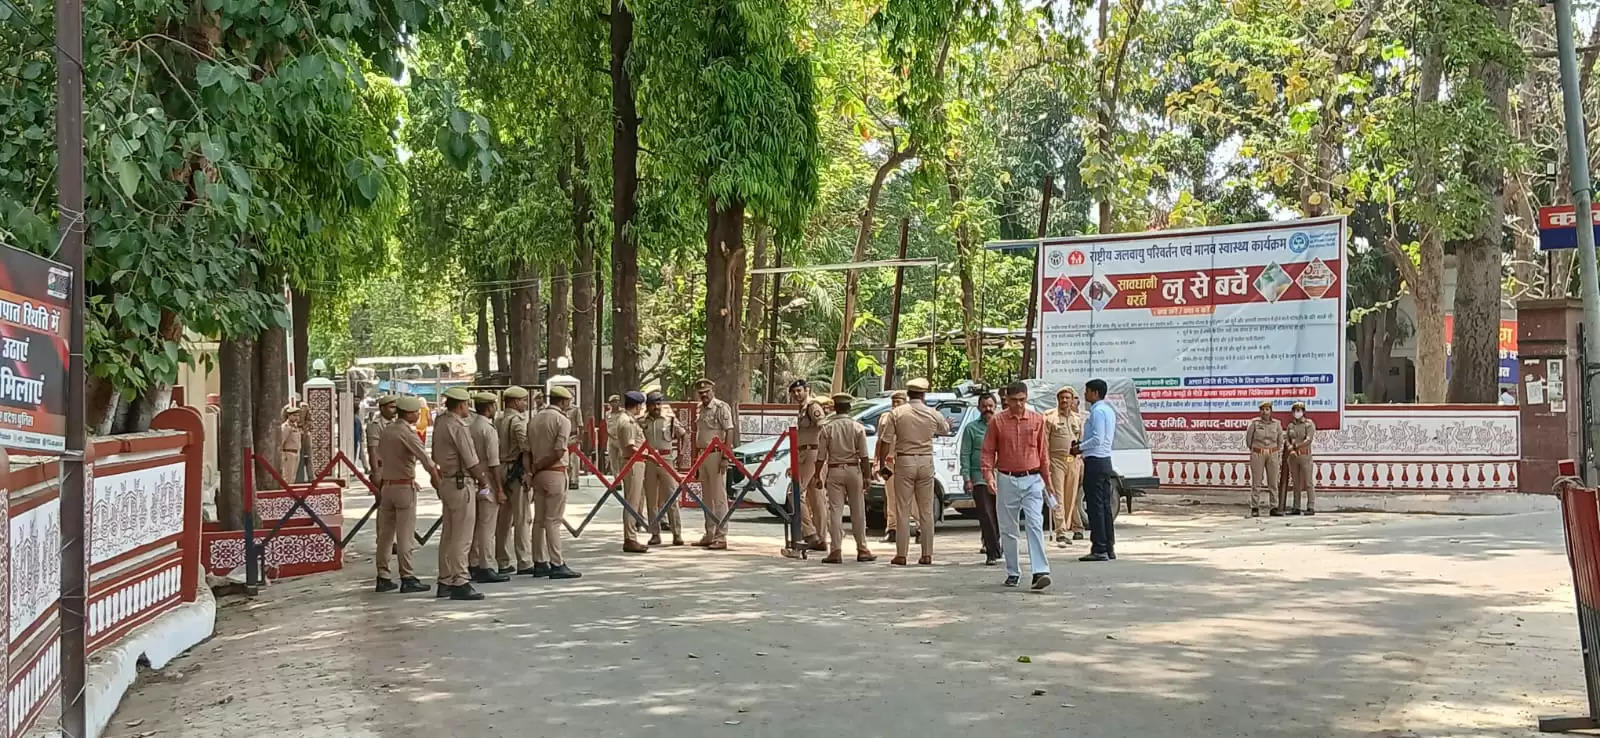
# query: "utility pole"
{"type": "Point", "coordinates": [1578, 155]}
{"type": "Point", "coordinates": [889, 381]}
{"type": "Point", "coordinates": [69, 182]}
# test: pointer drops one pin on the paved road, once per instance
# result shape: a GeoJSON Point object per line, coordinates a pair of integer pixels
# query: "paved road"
{"type": "Point", "coordinates": [1208, 625]}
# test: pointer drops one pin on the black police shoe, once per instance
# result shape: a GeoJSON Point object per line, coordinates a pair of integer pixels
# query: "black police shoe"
{"type": "Point", "coordinates": [540, 569]}
{"type": "Point", "coordinates": [1041, 580]}
{"type": "Point", "coordinates": [1275, 512]}
{"type": "Point", "coordinates": [1012, 581]}
{"type": "Point", "coordinates": [386, 585]}
{"type": "Point", "coordinates": [1310, 511]}
{"type": "Point", "coordinates": [1095, 557]}
{"type": "Point", "coordinates": [489, 576]}
{"type": "Point", "coordinates": [563, 572]}
{"type": "Point", "coordinates": [465, 592]}
{"type": "Point", "coordinates": [411, 584]}
{"type": "Point", "coordinates": [442, 591]}
{"type": "Point", "coordinates": [1294, 511]}
{"type": "Point", "coordinates": [1255, 512]}
{"type": "Point", "coordinates": [508, 570]}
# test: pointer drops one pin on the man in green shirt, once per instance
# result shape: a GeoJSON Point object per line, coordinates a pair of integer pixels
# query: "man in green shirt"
{"type": "Point", "coordinates": [972, 476]}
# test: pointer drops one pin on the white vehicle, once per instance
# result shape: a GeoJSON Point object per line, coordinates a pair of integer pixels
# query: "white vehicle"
{"type": "Point", "coordinates": [1130, 450]}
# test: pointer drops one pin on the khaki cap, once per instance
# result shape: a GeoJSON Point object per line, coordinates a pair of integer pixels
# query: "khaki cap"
{"type": "Point", "coordinates": [1265, 403]}
{"type": "Point", "coordinates": [1298, 406]}
{"type": "Point", "coordinates": [898, 395]}
{"type": "Point", "coordinates": [387, 400]}
{"type": "Point", "coordinates": [408, 404]}
{"type": "Point", "coordinates": [825, 401]}
{"type": "Point", "coordinates": [614, 399]}
{"type": "Point", "coordinates": [842, 398]}
{"type": "Point", "coordinates": [515, 393]}
{"type": "Point", "coordinates": [704, 383]}
{"type": "Point", "coordinates": [1067, 389]}
{"type": "Point", "coordinates": [650, 389]}
{"type": "Point", "coordinates": [290, 409]}
{"type": "Point", "coordinates": [560, 393]}
{"type": "Point", "coordinates": [457, 393]}
{"type": "Point", "coordinates": [484, 397]}
{"type": "Point", "coordinates": [917, 385]}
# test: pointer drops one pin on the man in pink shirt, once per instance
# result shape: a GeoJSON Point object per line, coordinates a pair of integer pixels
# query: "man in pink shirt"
{"type": "Point", "coordinates": [1015, 452]}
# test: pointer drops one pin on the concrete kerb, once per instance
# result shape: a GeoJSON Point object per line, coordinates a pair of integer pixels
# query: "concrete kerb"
{"type": "Point", "coordinates": [1398, 501]}
{"type": "Point", "coordinates": [113, 670]}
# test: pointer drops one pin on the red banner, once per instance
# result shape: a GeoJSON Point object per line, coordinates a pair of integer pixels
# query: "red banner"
{"type": "Point", "coordinates": [35, 316]}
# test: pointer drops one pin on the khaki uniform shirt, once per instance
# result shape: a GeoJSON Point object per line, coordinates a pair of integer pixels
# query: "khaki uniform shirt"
{"type": "Point", "coordinates": [1264, 433]}
{"type": "Point", "coordinates": [1062, 429]}
{"type": "Point", "coordinates": [842, 440]}
{"type": "Point", "coordinates": [452, 446]}
{"type": "Point", "coordinates": [1301, 432]}
{"type": "Point", "coordinates": [399, 450]}
{"type": "Point", "coordinates": [715, 420]}
{"type": "Point", "coordinates": [623, 437]}
{"type": "Point", "coordinates": [374, 432]}
{"type": "Point", "coordinates": [910, 429]}
{"type": "Point", "coordinates": [485, 440]}
{"type": "Point", "coordinates": [511, 429]}
{"type": "Point", "coordinates": [289, 436]}
{"type": "Point", "coordinates": [549, 430]}
{"type": "Point", "coordinates": [662, 432]}
{"type": "Point", "coordinates": [808, 423]}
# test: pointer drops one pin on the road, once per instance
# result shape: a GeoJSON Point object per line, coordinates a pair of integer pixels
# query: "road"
{"type": "Point", "coordinates": [1209, 624]}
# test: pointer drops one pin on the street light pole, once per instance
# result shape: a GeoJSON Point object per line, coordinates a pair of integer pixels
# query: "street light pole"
{"type": "Point", "coordinates": [1578, 155]}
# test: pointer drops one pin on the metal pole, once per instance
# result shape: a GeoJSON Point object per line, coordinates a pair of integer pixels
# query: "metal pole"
{"type": "Point", "coordinates": [772, 322]}
{"type": "Point", "coordinates": [894, 307]}
{"type": "Point", "coordinates": [1578, 155]}
{"type": "Point", "coordinates": [74, 524]}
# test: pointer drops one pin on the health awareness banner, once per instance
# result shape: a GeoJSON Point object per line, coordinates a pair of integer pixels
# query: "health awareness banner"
{"type": "Point", "coordinates": [1208, 322]}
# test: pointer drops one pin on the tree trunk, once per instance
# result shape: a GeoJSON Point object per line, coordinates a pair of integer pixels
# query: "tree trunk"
{"type": "Point", "coordinates": [1427, 277]}
{"type": "Point", "coordinates": [502, 334]}
{"type": "Point", "coordinates": [1030, 342]}
{"type": "Point", "coordinates": [526, 317]}
{"type": "Point", "coordinates": [1475, 352]}
{"type": "Point", "coordinates": [852, 280]}
{"type": "Point", "coordinates": [971, 332]}
{"type": "Point", "coordinates": [480, 337]}
{"type": "Point", "coordinates": [724, 294]}
{"type": "Point", "coordinates": [236, 358]}
{"type": "Point", "coordinates": [300, 313]}
{"type": "Point", "coordinates": [558, 324]}
{"type": "Point", "coordinates": [1375, 338]}
{"type": "Point", "coordinates": [271, 395]}
{"type": "Point", "coordinates": [754, 307]}
{"type": "Point", "coordinates": [100, 405]}
{"type": "Point", "coordinates": [583, 290]}
{"type": "Point", "coordinates": [158, 395]}
{"type": "Point", "coordinates": [624, 187]}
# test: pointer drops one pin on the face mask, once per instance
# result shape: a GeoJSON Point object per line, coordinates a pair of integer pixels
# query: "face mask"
{"type": "Point", "coordinates": [1298, 414]}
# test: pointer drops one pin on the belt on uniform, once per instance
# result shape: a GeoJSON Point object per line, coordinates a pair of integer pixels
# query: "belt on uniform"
{"type": "Point", "coordinates": [805, 446]}
{"type": "Point", "coordinates": [844, 464]}
{"type": "Point", "coordinates": [1029, 473]}
{"type": "Point", "coordinates": [559, 467]}
{"type": "Point", "coordinates": [898, 456]}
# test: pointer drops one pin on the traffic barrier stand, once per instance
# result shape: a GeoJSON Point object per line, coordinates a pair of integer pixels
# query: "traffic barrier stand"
{"type": "Point", "coordinates": [613, 489]}
{"type": "Point", "coordinates": [255, 553]}
{"type": "Point", "coordinates": [1580, 516]}
{"type": "Point", "coordinates": [788, 512]}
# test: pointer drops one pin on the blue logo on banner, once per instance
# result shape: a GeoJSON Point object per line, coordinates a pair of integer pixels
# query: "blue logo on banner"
{"type": "Point", "coordinates": [1299, 242]}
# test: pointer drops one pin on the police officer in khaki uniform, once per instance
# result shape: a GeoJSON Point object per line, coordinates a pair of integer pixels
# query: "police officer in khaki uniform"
{"type": "Point", "coordinates": [1264, 438]}
{"type": "Point", "coordinates": [549, 431]}
{"type": "Point", "coordinates": [291, 434]}
{"type": "Point", "coordinates": [911, 429]}
{"type": "Point", "coordinates": [486, 441]}
{"type": "Point", "coordinates": [399, 452]}
{"type": "Point", "coordinates": [374, 432]}
{"type": "Point", "coordinates": [513, 523]}
{"type": "Point", "coordinates": [625, 438]}
{"type": "Point", "coordinates": [1302, 470]}
{"type": "Point", "coordinates": [885, 450]}
{"type": "Point", "coordinates": [845, 464]}
{"type": "Point", "coordinates": [813, 500]}
{"type": "Point", "coordinates": [713, 420]}
{"type": "Point", "coordinates": [461, 470]}
{"type": "Point", "coordinates": [1063, 424]}
{"type": "Point", "coordinates": [663, 433]}
{"type": "Point", "coordinates": [575, 421]}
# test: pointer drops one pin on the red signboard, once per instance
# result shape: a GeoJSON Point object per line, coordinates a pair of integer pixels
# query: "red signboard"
{"type": "Point", "coordinates": [35, 312]}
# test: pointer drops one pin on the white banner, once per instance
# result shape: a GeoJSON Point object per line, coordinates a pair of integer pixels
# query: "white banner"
{"type": "Point", "coordinates": [1208, 322]}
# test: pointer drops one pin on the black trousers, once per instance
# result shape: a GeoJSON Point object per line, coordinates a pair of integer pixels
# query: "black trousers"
{"type": "Point", "coordinates": [983, 499]}
{"type": "Point", "coordinates": [1099, 503]}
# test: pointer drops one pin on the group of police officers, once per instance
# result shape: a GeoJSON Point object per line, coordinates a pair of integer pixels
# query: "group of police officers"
{"type": "Point", "coordinates": [503, 475]}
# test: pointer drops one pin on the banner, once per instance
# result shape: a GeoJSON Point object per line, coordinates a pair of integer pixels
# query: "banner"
{"type": "Point", "coordinates": [1508, 348]}
{"type": "Point", "coordinates": [1208, 322]}
{"type": "Point", "coordinates": [35, 307]}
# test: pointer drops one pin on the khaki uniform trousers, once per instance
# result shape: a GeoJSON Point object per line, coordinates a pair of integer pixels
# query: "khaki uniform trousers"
{"type": "Point", "coordinates": [813, 498]}
{"type": "Point", "coordinates": [549, 492]}
{"type": "Point", "coordinates": [455, 537]}
{"type": "Point", "coordinates": [891, 505]}
{"type": "Point", "coordinates": [1302, 477]}
{"type": "Point", "coordinates": [484, 521]}
{"type": "Point", "coordinates": [913, 484]}
{"type": "Point", "coordinates": [289, 465]}
{"type": "Point", "coordinates": [713, 476]}
{"type": "Point", "coordinates": [513, 527]}
{"type": "Point", "coordinates": [633, 492]}
{"type": "Point", "coordinates": [397, 523]}
{"type": "Point", "coordinates": [1066, 473]}
{"type": "Point", "coordinates": [658, 486]}
{"type": "Point", "coordinates": [1263, 478]}
{"type": "Point", "coordinates": [845, 484]}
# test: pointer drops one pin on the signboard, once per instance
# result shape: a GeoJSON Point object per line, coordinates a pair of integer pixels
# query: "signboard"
{"type": "Point", "coordinates": [1508, 348]}
{"type": "Point", "coordinates": [1558, 227]}
{"type": "Point", "coordinates": [1208, 322]}
{"type": "Point", "coordinates": [35, 307]}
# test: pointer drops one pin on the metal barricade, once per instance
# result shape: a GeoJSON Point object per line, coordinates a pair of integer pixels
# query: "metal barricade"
{"type": "Point", "coordinates": [1580, 515]}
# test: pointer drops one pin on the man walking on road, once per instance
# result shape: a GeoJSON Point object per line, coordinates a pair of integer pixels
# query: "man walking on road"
{"type": "Point", "coordinates": [399, 452]}
{"type": "Point", "coordinates": [909, 431]}
{"type": "Point", "coordinates": [1264, 437]}
{"type": "Point", "coordinates": [971, 453]}
{"type": "Point", "coordinates": [1016, 450]}
{"type": "Point", "coordinates": [462, 473]}
{"type": "Point", "coordinates": [713, 421]}
{"type": "Point", "coordinates": [1098, 432]}
{"type": "Point", "coordinates": [548, 434]}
